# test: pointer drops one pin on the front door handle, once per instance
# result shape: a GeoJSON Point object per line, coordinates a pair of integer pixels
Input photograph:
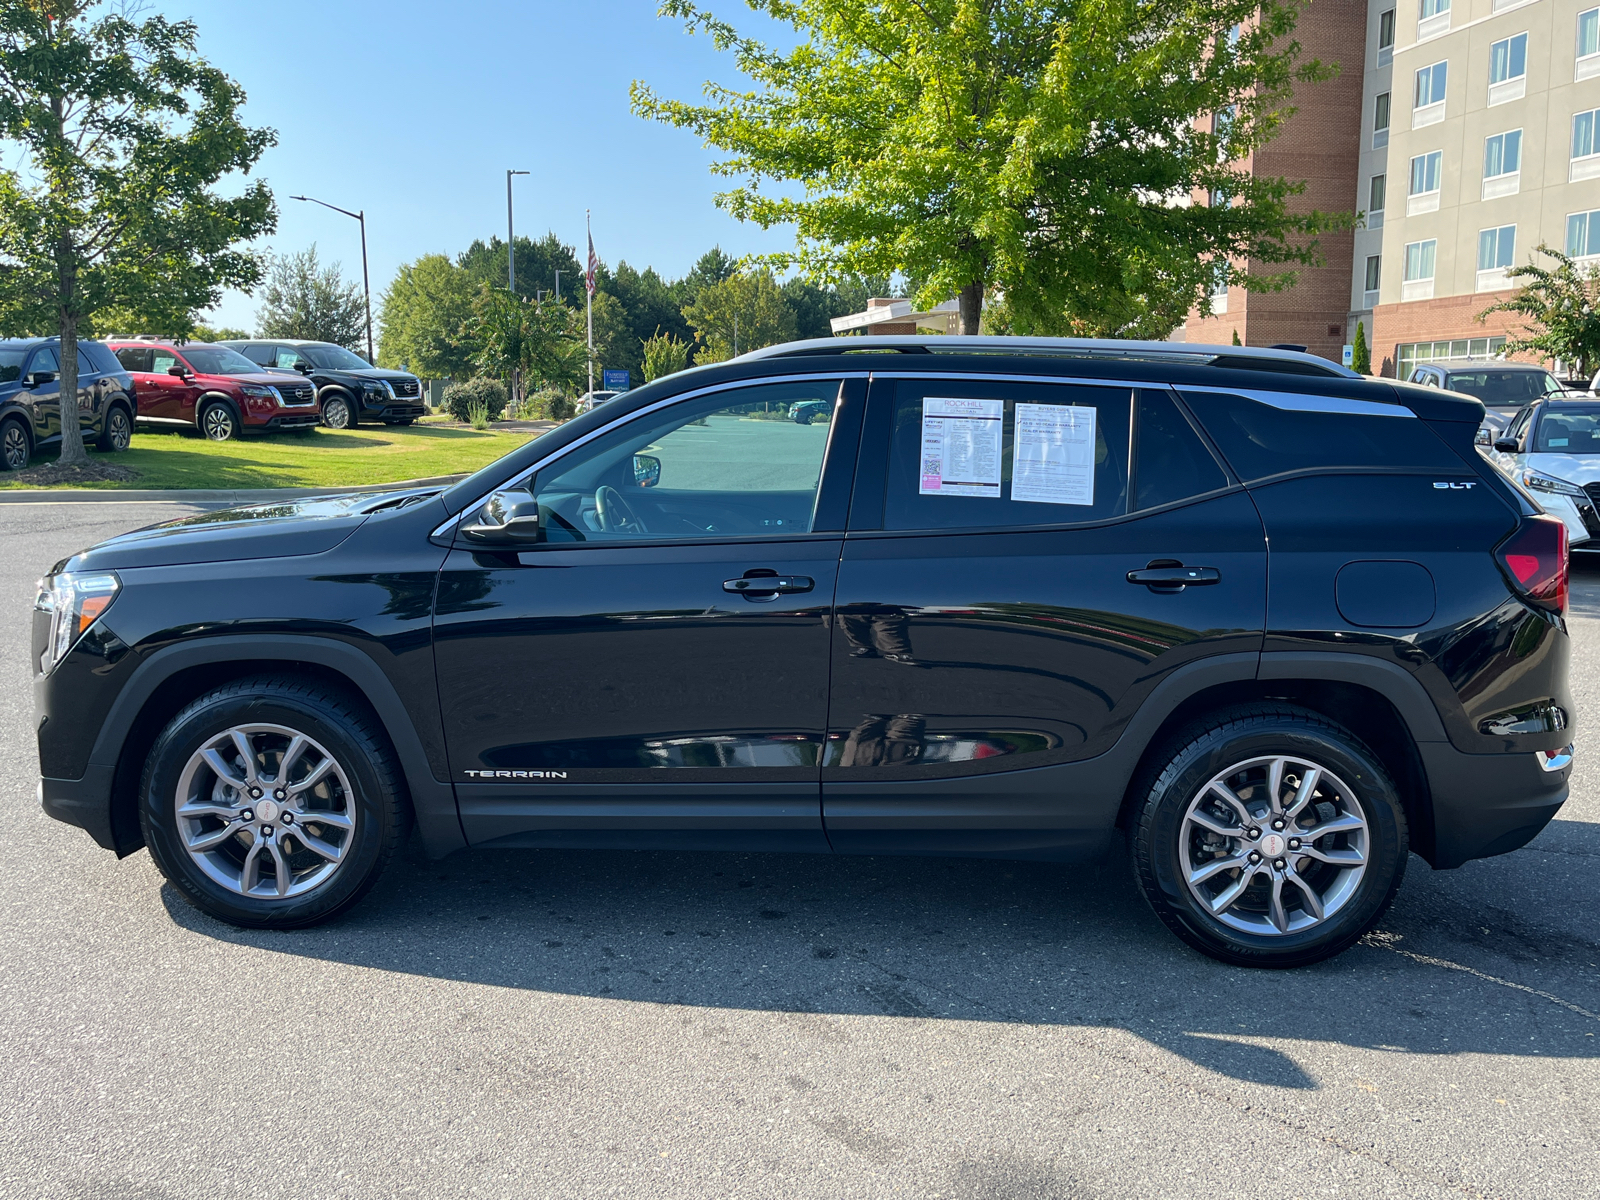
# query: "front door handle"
{"type": "Point", "coordinates": [1174, 577]}
{"type": "Point", "coordinates": [768, 587]}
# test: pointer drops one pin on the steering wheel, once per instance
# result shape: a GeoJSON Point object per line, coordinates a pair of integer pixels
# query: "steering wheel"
{"type": "Point", "coordinates": [613, 511]}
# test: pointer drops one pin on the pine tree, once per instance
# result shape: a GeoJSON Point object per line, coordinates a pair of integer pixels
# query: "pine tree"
{"type": "Point", "coordinates": [1361, 356]}
{"type": "Point", "coordinates": [1236, 340]}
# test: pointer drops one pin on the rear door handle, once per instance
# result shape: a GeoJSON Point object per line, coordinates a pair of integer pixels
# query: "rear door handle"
{"type": "Point", "coordinates": [769, 586]}
{"type": "Point", "coordinates": [1174, 578]}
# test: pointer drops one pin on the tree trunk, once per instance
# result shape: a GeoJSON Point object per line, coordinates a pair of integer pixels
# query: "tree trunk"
{"type": "Point", "coordinates": [72, 451]}
{"type": "Point", "coordinates": [970, 299]}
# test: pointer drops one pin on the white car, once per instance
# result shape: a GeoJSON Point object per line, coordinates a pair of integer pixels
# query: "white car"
{"type": "Point", "coordinates": [1552, 448]}
{"type": "Point", "coordinates": [591, 400]}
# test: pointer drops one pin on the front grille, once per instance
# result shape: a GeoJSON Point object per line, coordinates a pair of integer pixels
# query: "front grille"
{"type": "Point", "coordinates": [405, 389]}
{"type": "Point", "coordinates": [1594, 491]}
{"type": "Point", "coordinates": [296, 393]}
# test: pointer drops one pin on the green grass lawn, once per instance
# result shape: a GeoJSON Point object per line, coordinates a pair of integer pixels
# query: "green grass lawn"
{"type": "Point", "coordinates": [319, 458]}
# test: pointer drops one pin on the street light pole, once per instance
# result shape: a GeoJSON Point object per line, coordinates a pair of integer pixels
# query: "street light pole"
{"type": "Point", "coordinates": [558, 285]}
{"type": "Point", "coordinates": [366, 285]}
{"type": "Point", "coordinates": [511, 241]}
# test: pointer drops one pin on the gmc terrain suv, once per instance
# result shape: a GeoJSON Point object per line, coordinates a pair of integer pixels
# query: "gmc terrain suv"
{"type": "Point", "coordinates": [214, 389]}
{"type": "Point", "coordinates": [350, 389]}
{"type": "Point", "coordinates": [1277, 624]}
{"type": "Point", "coordinates": [30, 398]}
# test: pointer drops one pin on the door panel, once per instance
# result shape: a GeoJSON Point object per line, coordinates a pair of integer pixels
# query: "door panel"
{"type": "Point", "coordinates": [45, 400]}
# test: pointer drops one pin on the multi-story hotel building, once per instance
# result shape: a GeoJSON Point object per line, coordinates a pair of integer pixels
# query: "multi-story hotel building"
{"type": "Point", "coordinates": [1477, 139]}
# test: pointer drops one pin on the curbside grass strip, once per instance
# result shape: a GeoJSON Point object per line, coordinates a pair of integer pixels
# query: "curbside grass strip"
{"type": "Point", "coordinates": [229, 496]}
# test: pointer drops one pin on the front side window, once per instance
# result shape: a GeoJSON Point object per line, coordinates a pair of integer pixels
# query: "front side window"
{"type": "Point", "coordinates": [1589, 33]}
{"type": "Point", "coordinates": [1419, 259]}
{"type": "Point", "coordinates": [972, 454]}
{"type": "Point", "coordinates": [733, 464]}
{"type": "Point", "coordinates": [1583, 234]}
{"type": "Point", "coordinates": [1374, 271]}
{"type": "Point", "coordinates": [1502, 154]}
{"type": "Point", "coordinates": [163, 361]}
{"type": "Point", "coordinates": [1380, 112]}
{"type": "Point", "coordinates": [44, 359]}
{"type": "Point", "coordinates": [286, 358]}
{"type": "Point", "coordinates": [1496, 247]}
{"type": "Point", "coordinates": [1375, 200]}
{"type": "Point", "coordinates": [1425, 170]}
{"type": "Point", "coordinates": [1430, 84]}
{"type": "Point", "coordinates": [1508, 58]}
{"type": "Point", "coordinates": [1568, 430]}
{"type": "Point", "coordinates": [1583, 128]}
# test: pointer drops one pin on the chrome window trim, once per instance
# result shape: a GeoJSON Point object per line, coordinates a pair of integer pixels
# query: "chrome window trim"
{"type": "Point", "coordinates": [556, 455]}
{"type": "Point", "coordinates": [1297, 402]}
{"type": "Point", "coordinates": [986, 377]}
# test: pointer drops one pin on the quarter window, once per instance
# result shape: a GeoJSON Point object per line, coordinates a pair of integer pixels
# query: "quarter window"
{"type": "Point", "coordinates": [1502, 154]}
{"type": "Point", "coordinates": [1171, 463]}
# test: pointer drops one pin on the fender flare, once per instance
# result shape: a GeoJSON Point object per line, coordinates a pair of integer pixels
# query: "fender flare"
{"type": "Point", "coordinates": [1390, 680]}
{"type": "Point", "coordinates": [206, 399]}
{"type": "Point", "coordinates": [433, 802]}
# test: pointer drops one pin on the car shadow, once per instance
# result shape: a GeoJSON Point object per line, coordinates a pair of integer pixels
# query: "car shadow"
{"type": "Point", "coordinates": [978, 941]}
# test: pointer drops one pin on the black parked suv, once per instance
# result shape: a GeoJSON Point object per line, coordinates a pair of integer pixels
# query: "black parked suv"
{"type": "Point", "coordinates": [1277, 624]}
{"type": "Point", "coordinates": [349, 388]}
{"type": "Point", "coordinates": [30, 398]}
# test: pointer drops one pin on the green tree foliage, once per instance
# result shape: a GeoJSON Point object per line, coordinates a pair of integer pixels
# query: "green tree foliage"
{"type": "Point", "coordinates": [742, 313]}
{"type": "Point", "coordinates": [544, 342]}
{"type": "Point", "coordinates": [652, 305]}
{"type": "Point", "coordinates": [304, 299]}
{"type": "Point", "coordinates": [664, 355]}
{"type": "Point", "coordinates": [537, 264]}
{"type": "Point", "coordinates": [1360, 353]}
{"type": "Point", "coordinates": [426, 319]}
{"type": "Point", "coordinates": [1236, 340]}
{"type": "Point", "coordinates": [221, 333]}
{"type": "Point", "coordinates": [1561, 308]}
{"type": "Point", "coordinates": [1047, 147]}
{"type": "Point", "coordinates": [119, 131]}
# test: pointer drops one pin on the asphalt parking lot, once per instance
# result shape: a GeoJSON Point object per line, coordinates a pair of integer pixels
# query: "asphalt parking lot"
{"type": "Point", "coordinates": [666, 1025]}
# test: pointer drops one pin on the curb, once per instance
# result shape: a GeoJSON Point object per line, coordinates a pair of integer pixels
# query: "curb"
{"type": "Point", "coordinates": [228, 496]}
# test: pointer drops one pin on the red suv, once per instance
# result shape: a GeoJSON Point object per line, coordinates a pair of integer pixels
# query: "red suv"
{"type": "Point", "coordinates": [214, 389]}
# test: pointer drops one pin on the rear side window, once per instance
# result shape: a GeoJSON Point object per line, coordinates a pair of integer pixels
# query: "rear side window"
{"type": "Point", "coordinates": [135, 358]}
{"type": "Point", "coordinates": [99, 359]}
{"type": "Point", "coordinates": [261, 355]}
{"type": "Point", "coordinates": [975, 454]}
{"type": "Point", "coordinates": [1171, 462]}
{"type": "Point", "coordinates": [1291, 433]}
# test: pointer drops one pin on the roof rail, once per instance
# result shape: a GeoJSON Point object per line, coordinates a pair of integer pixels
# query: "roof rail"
{"type": "Point", "coordinates": [1249, 357]}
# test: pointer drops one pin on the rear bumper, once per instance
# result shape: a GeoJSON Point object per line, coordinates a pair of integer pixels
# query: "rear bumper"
{"type": "Point", "coordinates": [1487, 804]}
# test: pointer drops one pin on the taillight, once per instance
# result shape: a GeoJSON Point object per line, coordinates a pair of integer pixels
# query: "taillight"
{"type": "Point", "coordinates": [1535, 557]}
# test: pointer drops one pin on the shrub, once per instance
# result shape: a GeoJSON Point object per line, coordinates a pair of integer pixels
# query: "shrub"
{"type": "Point", "coordinates": [550, 405]}
{"type": "Point", "coordinates": [664, 355]}
{"type": "Point", "coordinates": [460, 397]}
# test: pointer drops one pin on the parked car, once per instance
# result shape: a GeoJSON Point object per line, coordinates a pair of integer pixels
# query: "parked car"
{"type": "Point", "coordinates": [592, 400]}
{"type": "Point", "coordinates": [1242, 605]}
{"type": "Point", "coordinates": [1552, 448]}
{"type": "Point", "coordinates": [1504, 388]}
{"type": "Point", "coordinates": [803, 412]}
{"type": "Point", "coordinates": [30, 398]}
{"type": "Point", "coordinates": [213, 389]}
{"type": "Point", "coordinates": [349, 388]}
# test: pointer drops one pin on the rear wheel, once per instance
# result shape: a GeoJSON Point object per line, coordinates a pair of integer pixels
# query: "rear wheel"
{"type": "Point", "coordinates": [218, 422]}
{"type": "Point", "coordinates": [1270, 837]}
{"type": "Point", "coordinates": [118, 431]}
{"type": "Point", "coordinates": [15, 445]}
{"type": "Point", "coordinates": [272, 803]}
{"type": "Point", "coordinates": [337, 413]}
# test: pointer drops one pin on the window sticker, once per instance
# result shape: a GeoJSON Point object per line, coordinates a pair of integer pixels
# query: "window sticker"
{"type": "Point", "coordinates": [1052, 456]}
{"type": "Point", "coordinates": [961, 447]}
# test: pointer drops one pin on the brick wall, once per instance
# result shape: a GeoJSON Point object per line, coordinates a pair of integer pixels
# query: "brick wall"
{"type": "Point", "coordinates": [1447, 317]}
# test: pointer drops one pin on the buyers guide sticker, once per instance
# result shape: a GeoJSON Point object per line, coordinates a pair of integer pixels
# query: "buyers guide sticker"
{"type": "Point", "coordinates": [961, 447]}
{"type": "Point", "coordinates": [1052, 454]}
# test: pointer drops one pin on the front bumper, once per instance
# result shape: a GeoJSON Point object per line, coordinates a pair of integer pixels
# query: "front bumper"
{"type": "Point", "coordinates": [1487, 804]}
{"type": "Point", "coordinates": [295, 420]}
{"type": "Point", "coordinates": [401, 411]}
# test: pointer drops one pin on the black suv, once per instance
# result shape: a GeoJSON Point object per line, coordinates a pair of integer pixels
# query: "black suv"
{"type": "Point", "coordinates": [30, 398]}
{"type": "Point", "coordinates": [1277, 624]}
{"type": "Point", "coordinates": [349, 388]}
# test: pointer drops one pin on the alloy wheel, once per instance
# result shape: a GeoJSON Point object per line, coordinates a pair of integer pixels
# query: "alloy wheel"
{"type": "Point", "coordinates": [14, 446]}
{"type": "Point", "coordinates": [217, 423]}
{"type": "Point", "coordinates": [265, 811]}
{"type": "Point", "coordinates": [336, 414]}
{"type": "Point", "coordinates": [121, 432]}
{"type": "Point", "coordinates": [1274, 845]}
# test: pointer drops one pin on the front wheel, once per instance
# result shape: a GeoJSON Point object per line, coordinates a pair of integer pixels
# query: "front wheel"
{"type": "Point", "coordinates": [14, 447]}
{"type": "Point", "coordinates": [336, 413]}
{"type": "Point", "coordinates": [118, 432]}
{"type": "Point", "coordinates": [1270, 837]}
{"type": "Point", "coordinates": [218, 422]}
{"type": "Point", "coordinates": [271, 803]}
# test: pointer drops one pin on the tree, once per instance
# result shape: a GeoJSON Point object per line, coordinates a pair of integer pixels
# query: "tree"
{"type": "Point", "coordinates": [304, 299]}
{"type": "Point", "coordinates": [1360, 354]}
{"type": "Point", "coordinates": [1047, 147]}
{"type": "Point", "coordinates": [615, 345]}
{"type": "Point", "coordinates": [1561, 308]}
{"type": "Point", "coordinates": [545, 342]}
{"type": "Point", "coordinates": [1236, 340]}
{"type": "Point", "coordinates": [664, 355]}
{"type": "Point", "coordinates": [426, 320]}
{"type": "Point", "coordinates": [742, 313]}
{"type": "Point", "coordinates": [123, 130]}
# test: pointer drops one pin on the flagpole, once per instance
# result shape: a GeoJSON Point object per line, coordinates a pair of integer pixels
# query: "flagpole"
{"type": "Point", "coordinates": [589, 303]}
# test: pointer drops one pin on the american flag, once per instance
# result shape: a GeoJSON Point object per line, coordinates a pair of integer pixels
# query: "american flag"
{"type": "Point", "coordinates": [594, 264]}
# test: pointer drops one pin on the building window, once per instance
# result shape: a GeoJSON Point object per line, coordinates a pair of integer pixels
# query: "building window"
{"type": "Point", "coordinates": [1588, 44]}
{"type": "Point", "coordinates": [1508, 69]}
{"type": "Point", "coordinates": [1418, 282]}
{"type": "Point", "coordinates": [1380, 121]}
{"type": "Point", "coordinates": [1386, 38]}
{"type": "Point", "coordinates": [1375, 195]}
{"type": "Point", "coordinates": [1374, 273]}
{"type": "Point", "coordinates": [1433, 18]}
{"type": "Point", "coordinates": [1427, 104]}
{"type": "Point", "coordinates": [1583, 234]}
{"type": "Point", "coordinates": [1502, 164]}
{"type": "Point", "coordinates": [1424, 193]}
{"type": "Point", "coordinates": [1585, 146]}
{"type": "Point", "coordinates": [1219, 289]}
{"type": "Point", "coordinates": [1496, 248]}
{"type": "Point", "coordinates": [1412, 353]}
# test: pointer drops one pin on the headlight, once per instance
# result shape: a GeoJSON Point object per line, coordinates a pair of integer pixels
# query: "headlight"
{"type": "Point", "coordinates": [74, 603]}
{"type": "Point", "coordinates": [376, 387]}
{"type": "Point", "coordinates": [256, 389]}
{"type": "Point", "coordinates": [1545, 483]}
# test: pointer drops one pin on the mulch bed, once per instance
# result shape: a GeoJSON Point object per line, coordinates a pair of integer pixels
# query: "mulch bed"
{"type": "Point", "coordinates": [52, 474]}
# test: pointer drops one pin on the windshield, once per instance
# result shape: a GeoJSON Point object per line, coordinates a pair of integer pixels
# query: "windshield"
{"type": "Point", "coordinates": [1504, 387]}
{"type": "Point", "coordinates": [11, 364]}
{"type": "Point", "coordinates": [333, 358]}
{"type": "Point", "coordinates": [218, 360]}
{"type": "Point", "coordinates": [1570, 429]}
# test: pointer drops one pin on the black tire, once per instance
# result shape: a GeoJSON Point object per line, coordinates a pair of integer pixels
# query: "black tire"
{"type": "Point", "coordinates": [376, 798]}
{"type": "Point", "coordinates": [16, 447]}
{"type": "Point", "coordinates": [218, 422]}
{"type": "Point", "coordinates": [1161, 833]}
{"type": "Point", "coordinates": [803, 419]}
{"type": "Point", "coordinates": [338, 413]}
{"type": "Point", "coordinates": [117, 434]}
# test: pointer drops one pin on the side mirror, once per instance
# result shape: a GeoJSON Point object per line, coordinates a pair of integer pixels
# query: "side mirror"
{"type": "Point", "coordinates": [646, 470]}
{"type": "Point", "coordinates": [1506, 445]}
{"type": "Point", "coordinates": [178, 369]}
{"type": "Point", "coordinates": [507, 518]}
{"type": "Point", "coordinates": [40, 378]}
{"type": "Point", "coordinates": [304, 367]}
{"type": "Point", "coordinates": [1483, 438]}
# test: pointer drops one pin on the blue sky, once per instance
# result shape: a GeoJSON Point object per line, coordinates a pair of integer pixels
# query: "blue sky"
{"type": "Point", "coordinates": [414, 111]}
